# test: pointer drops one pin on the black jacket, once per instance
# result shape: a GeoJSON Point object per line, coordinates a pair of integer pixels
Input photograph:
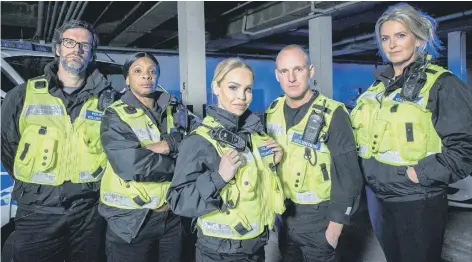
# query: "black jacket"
{"type": "Point", "coordinates": [451, 107]}
{"type": "Point", "coordinates": [45, 198]}
{"type": "Point", "coordinates": [346, 177]}
{"type": "Point", "coordinates": [195, 188]}
{"type": "Point", "coordinates": [131, 161]}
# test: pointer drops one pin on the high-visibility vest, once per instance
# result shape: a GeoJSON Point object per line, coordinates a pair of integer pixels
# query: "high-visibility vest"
{"type": "Point", "coordinates": [52, 149]}
{"type": "Point", "coordinates": [252, 198]}
{"type": "Point", "coordinates": [302, 182]}
{"type": "Point", "coordinates": [393, 130]}
{"type": "Point", "coordinates": [115, 191]}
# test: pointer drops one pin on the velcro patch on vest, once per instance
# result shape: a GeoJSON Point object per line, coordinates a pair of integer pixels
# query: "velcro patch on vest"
{"type": "Point", "coordinates": [93, 115]}
{"type": "Point", "coordinates": [275, 129]}
{"type": "Point", "coordinates": [297, 139]}
{"type": "Point", "coordinates": [398, 99]}
{"type": "Point", "coordinates": [265, 151]}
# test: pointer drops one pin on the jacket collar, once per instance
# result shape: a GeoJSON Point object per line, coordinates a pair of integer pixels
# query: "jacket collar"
{"type": "Point", "coordinates": [247, 123]}
{"type": "Point", "coordinates": [387, 75]}
{"type": "Point", "coordinates": [162, 100]}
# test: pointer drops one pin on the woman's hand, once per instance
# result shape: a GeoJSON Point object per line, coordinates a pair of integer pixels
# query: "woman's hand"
{"type": "Point", "coordinates": [275, 147]}
{"type": "Point", "coordinates": [230, 162]}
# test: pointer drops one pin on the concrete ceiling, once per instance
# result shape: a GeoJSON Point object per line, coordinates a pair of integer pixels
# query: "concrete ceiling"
{"type": "Point", "coordinates": [249, 28]}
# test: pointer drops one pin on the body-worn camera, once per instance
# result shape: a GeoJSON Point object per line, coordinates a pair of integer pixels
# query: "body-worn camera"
{"type": "Point", "coordinates": [313, 128]}
{"type": "Point", "coordinates": [227, 137]}
{"type": "Point", "coordinates": [412, 86]}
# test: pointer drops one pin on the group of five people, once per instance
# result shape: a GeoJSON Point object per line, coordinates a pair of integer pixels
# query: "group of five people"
{"type": "Point", "coordinates": [68, 140]}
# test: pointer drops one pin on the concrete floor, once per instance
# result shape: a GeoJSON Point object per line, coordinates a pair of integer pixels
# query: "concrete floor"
{"type": "Point", "coordinates": [358, 242]}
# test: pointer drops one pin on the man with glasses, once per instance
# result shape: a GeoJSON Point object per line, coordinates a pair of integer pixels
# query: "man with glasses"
{"type": "Point", "coordinates": [320, 174]}
{"type": "Point", "coordinates": [51, 146]}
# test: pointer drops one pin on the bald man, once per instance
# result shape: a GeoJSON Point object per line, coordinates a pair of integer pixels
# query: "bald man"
{"type": "Point", "coordinates": [320, 174]}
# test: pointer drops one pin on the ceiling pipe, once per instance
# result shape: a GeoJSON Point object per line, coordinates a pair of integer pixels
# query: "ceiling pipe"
{"type": "Point", "coordinates": [79, 16]}
{"type": "Point", "coordinates": [59, 19]}
{"type": "Point", "coordinates": [299, 20]}
{"type": "Point", "coordinates": [69, 12]}
{"type": "Point", "coordinates": [76, 10]}
{"type": "Point", "coordinates": [39, 26]}
{"type": "Point", "coordinates": [121, 26]}
{"type": "Point", "coordinates": [48, 18]}
{"type": "Point", "coordinates": [372, 35]}
{"type": "Point", "coordinates": [100, 16]}
{"type": "Point", "coordinates": [53, 21]}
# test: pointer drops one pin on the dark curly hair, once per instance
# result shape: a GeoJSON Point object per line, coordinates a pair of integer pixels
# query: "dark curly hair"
{"type": "Point", "coordinates": [58, 33]}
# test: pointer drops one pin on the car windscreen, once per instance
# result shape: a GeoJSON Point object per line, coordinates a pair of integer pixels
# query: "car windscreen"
{"type": "Point", "coordinates": [32, 66]}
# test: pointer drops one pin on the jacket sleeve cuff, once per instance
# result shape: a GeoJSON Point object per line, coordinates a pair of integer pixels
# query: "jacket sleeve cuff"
{"type": "Point", "coordinates": [421, 174]}
{"type": "Point", "coordinates": [340, 212]}
{"type": "Point", "coordinates": [217, 181]}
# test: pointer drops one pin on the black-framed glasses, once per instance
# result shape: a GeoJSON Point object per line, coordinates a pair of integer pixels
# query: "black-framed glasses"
{"type": "Point", "coordinates": [71, 43]}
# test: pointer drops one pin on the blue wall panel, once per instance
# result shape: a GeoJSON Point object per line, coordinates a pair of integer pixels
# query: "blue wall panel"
{"type": "Point", "coordinates": [348, 78]}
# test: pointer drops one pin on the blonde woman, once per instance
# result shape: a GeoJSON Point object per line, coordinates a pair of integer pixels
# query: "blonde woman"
{"type": "Point", "coordinates": [414, 135]}
{"type": "Point", "coordinates": [225, 174]}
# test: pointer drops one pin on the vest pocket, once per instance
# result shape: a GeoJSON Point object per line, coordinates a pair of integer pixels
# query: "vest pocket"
{"type": "Point", "coordinates": [24, 160]}
{"type": "Point", "coordinates": [92, 161]}
{"type": "Point", "coordinates": [47, 155]}
{"type": "Point", "coordinates": [247, 182]}
{"type": "Point", "coordinates": [297, 179]}
{"type": "Point", "coordinates": [411, 141]}
{"type": "Point", "coordinates": [230, 195]}
{"type": "Point", "coordinates": [361, 120]}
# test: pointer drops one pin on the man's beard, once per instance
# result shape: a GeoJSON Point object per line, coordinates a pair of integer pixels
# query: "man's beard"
{"type": "Point", "coordinates": [74, 67]}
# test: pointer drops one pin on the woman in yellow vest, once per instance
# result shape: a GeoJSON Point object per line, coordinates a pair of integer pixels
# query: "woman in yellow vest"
{"type": "Point", "coordinates": [140, 138]}
{"type": "Point", "coordinates": [226, 178]}
{"type": "Point", "coordinates": [413, 129]}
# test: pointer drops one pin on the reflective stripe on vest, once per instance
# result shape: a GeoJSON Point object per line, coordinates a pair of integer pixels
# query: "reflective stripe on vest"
{"type": "Point", "coordinates": [123, 194]}
{"type": "Point", "coordinates": [396, 132]}
{"type": "Point", "coordinates": [251, 199]}
{"type": "Point", "coordinates": [51, 148]}
{"type": "Point", "coordinates": [44, 110]}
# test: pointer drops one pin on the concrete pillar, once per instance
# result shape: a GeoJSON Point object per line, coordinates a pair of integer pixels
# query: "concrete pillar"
{"type": "Point", "coordinates": [191, 20]}
{"type": "Point", "coordinates": [456, 54]}
{"type": "Point", "coordinates": [321, 53]}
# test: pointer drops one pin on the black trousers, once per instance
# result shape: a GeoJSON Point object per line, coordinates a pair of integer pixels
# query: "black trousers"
{"type": "Point", "coordinates": [302, 238]}
{"type": "Point", "coordinates": [77, 235]}
{"type": "Point", "coordinates": [159, 240]}
{"type": "Point", "coordinates": [413, 231]}
{"type": "Point", "coordinates": [212, 249]}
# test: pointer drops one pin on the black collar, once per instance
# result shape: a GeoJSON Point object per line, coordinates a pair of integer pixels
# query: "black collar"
{"type": "Point", "coordinates": [247, 123]}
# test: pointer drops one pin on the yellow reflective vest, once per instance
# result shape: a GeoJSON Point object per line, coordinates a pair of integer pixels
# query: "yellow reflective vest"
{"type": "Point", "coordinates": [252, 198]}
{"type": "Point", "coordinates": [52, 149]}
{"type": "Point", "coordinates": [302, 182]}
{"type": "Point", "coordinates": [395, 131]}
{"type": "Point", "coordinates": [119, 193]}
